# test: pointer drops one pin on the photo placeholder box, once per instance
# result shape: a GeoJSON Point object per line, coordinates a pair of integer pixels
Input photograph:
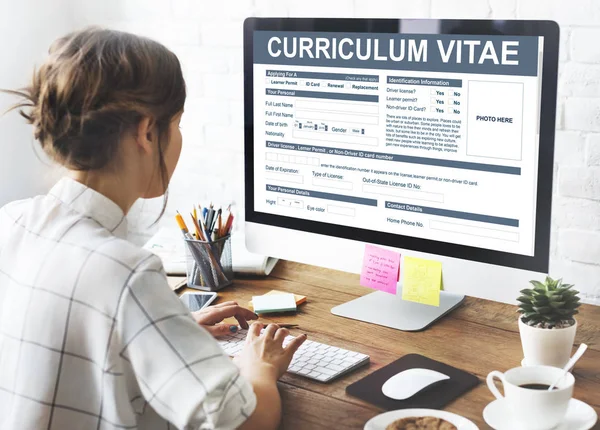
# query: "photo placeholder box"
{"type": "Point", "coordinates": [495, 119]}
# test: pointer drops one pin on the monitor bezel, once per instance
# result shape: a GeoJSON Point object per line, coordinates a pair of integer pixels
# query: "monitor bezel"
{"type": "Point", "coordinates": [539, 262]}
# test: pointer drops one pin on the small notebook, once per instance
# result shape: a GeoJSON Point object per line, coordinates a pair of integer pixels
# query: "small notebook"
{"type": "Point", "coordinates": [435, 397]}
{"type": "Point", "coordinates": [270, 303]}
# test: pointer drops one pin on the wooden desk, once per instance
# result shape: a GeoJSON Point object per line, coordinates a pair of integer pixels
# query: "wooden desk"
{"type": "Point", "coordinates": [479, 337]}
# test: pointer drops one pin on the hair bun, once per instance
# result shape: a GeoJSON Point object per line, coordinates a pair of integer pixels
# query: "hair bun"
{"type": "Point", "coordinates": [95, 85]}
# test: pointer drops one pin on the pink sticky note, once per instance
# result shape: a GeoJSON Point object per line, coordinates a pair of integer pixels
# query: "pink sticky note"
{"type": "Point", "coordinates": [380, 269]}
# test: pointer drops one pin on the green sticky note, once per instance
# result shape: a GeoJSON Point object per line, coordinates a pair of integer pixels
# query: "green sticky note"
{"type": "Point", "coordinates": [422, 281]}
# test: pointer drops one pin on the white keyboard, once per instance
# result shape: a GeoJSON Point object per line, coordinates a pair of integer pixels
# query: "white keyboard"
{"type": "Point", "coordinates": [313, 360]}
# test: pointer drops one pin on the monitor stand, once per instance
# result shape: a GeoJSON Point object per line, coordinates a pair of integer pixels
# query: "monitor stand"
{"type": "Point", "coordinates": [391, 311]}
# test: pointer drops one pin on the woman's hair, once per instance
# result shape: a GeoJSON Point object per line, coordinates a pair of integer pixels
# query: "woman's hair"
{"type": "Point", "coordinates": [95, 85]}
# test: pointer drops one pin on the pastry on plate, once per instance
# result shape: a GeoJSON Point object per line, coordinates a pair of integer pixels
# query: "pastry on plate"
{"type": "Point", "coordinates": [421, 423]}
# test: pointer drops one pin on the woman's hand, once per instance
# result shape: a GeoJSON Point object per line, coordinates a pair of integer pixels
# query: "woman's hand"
{"type": "Point", "coordinates": [263, 356]}
{"type": "Point", "coordinates": [210, 318]}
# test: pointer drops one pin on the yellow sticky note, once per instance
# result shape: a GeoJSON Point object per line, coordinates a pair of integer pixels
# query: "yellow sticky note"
{"type": "Point", "coordinates": [422, 281]}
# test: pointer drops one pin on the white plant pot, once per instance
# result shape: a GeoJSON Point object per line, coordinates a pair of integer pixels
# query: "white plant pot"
{"type": "Point", "coordinates": [548, 347]}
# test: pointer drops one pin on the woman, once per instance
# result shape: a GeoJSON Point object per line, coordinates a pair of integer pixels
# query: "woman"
{"type": "Point", "coordinates": [91, 336]}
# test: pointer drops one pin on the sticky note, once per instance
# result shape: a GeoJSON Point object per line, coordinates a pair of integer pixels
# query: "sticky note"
{"type": "Point", "coordinates": [380, 269]}
{"type": "Point", "coordinates": [274, 303]}
{"type": "Point", "coordinates": [422, 281]}
{"type": "Point", "coordinates": [299, 298]}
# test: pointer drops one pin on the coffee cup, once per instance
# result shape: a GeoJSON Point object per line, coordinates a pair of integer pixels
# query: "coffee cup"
{"type": "Point", "coordinates": [526, 396]}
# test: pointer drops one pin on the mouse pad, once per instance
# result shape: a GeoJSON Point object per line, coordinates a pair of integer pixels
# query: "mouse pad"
{"type": "Point", "coordinates": [435, 396]}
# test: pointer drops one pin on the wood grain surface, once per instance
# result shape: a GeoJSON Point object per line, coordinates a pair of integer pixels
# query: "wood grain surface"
{"type": "Point", "coordinates": [479, 337]}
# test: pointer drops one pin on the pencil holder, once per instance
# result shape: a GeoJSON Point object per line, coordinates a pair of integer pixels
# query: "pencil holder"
{"type": "Point", "coordinates": [208, 264]}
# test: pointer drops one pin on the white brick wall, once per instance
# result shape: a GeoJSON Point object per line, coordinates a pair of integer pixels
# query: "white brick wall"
{"type": "Point", "coordinates": [461, 9]}
{"type": "Point", "coordinates": [584, 45]}
{"type": "Point", "coordinates": [207, 37]}
{"type": "Point", "coordinates": [582, 113]}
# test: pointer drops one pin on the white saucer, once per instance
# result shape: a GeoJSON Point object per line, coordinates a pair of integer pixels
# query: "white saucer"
{"type": "Point", "coordinates": [580, 416]}
{"type": "Point", "coordinates": [381, 421]}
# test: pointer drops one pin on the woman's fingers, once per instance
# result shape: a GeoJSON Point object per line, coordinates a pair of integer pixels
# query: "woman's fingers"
{"type": "Point", "coordinates": [280, 335]}
{"type": "Point", "coordinates": [294, 344]}
{"type": "Point", "coordinates": [270, 331]}
{"type": "Point", "coordinates": [242, 321]}
{"type": "Point", "coordinates": [254, 331]}
{"type": "Point", "coordinates": [220, 305]}
{"type": "Point", "coordinates": [217, 315]}
{"type": "Point", "coordinates": [218, 330]}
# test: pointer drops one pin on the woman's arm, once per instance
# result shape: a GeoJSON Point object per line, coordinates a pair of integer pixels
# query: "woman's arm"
{"type": "Point", "coordinates": [182, 371]}
{"type": "Point", "coordinates": [262, 362]}
{"type": "Point", "coordinates": [267, 414]}
{"type": "Point", "coordinates": [179, 368]}
{"type": "Point", "coordinates": [262, 377]}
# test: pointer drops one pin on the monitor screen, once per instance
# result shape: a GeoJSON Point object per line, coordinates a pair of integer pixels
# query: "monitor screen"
{"type": "Point", "coordinates": [432, 136]}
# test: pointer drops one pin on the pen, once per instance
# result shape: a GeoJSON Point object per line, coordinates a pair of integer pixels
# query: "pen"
{"type": "Point", "coordinates": [281, 325]}
{"type": "Point", "coordinates": [213, 223]}
{"type": "Point", "coordinates": [211, 214]}
{"type": "Point", "coordinates": [266, 323]}
{"type": "Point", "coordinates": [209, 218]}
{"type": "Point", "coordinates": [202, 222]}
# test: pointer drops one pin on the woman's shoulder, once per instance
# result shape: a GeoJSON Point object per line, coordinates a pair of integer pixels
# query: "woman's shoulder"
{"type": "Point", "coordinates": [11, 213]}
{"type": "Point", "coordinates": [130, 256]}
{"type": "Point", "coordinates": [116, 264]}
{"type": "Point", "coordinates": [15, 208]}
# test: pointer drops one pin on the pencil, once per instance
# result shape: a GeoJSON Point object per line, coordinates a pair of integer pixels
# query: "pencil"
{"type": "Point", "coordinates": [219, 224]}
{"type": "Point", "coordinates": [204, 230]}
{"type": "Point", "coordinates": [182, 225]}
{"type": "Point", "coordinates": [284, 325]}
{"type": "Point", "coordinates": [197, 227]}
{"type": "Point", "coordinates": [229, 225]}
{"type": "Point", "coordinates": [226, 223]}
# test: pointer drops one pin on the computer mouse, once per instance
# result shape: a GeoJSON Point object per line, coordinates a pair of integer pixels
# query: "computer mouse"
{"type": "Point", "coordinates": [409, 382]}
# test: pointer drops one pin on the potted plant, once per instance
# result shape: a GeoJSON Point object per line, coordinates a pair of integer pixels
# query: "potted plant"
{"type": "Point", "coordinates": [547, 324]}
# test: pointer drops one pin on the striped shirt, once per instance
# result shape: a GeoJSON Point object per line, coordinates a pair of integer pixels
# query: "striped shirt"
{"type": "Point", "coordinates": [91, 336]}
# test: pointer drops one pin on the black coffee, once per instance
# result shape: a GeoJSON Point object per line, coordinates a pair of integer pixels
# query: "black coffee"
{"type": "Point", "coordinates": [536, 387]}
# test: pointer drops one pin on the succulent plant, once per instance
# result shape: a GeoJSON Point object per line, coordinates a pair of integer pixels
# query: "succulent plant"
{"type": "Point", "coordinates": [551, 304]}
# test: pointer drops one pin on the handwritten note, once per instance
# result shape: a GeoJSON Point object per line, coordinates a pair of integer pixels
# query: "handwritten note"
{"type": "Point", "coordinates": [380, 269]}
{"type": "Point", "coordinates": [422, 281]}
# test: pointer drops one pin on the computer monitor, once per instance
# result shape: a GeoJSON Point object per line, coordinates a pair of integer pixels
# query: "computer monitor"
{"type": "Point", "coordinates": [431, 137]}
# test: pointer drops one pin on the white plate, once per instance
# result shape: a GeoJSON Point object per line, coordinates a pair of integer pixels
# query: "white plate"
{"type": "Point", "coordinates": [580, 416]}
{"type": "Point", "coordinates": [381, 421]}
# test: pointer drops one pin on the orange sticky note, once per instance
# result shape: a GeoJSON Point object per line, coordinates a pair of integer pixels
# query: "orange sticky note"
{"type": "Point", "coordinates": [380, 269]}
{"type": "Point", "coordinates": [299, 299]}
